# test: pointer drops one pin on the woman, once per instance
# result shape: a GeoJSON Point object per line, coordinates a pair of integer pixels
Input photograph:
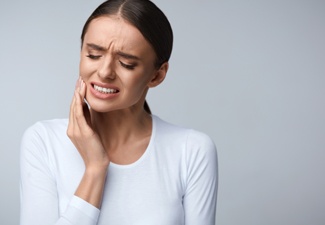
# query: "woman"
{"type": "Point", "coordinates": [113, 162]}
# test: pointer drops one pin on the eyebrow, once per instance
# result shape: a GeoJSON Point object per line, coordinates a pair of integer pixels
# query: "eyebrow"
{"type": "Point", "coordinates": [120, 53]}
{"type": "Point", "coordinates": [96, 47]}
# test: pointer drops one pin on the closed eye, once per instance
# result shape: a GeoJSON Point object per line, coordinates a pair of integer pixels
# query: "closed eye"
{"type": "Point", "coordinates": [94, 56]}
{"type": "Point", "coordinates": [127, 66]}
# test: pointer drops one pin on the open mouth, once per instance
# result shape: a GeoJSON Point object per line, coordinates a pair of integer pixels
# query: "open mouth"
{"type": "Point", "coordinates": [105, 90]}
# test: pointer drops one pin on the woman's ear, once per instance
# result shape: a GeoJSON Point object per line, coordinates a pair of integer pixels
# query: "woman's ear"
{"type": "Point", "coordinates": [159, 76]}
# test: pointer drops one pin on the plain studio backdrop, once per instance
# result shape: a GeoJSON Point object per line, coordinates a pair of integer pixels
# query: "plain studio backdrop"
{"type": "Point", "coordinates": [251, 74]}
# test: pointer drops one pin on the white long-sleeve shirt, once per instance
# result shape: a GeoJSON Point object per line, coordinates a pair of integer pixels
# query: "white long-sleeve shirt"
{"type": "Point", "coordinates": [173, 183]}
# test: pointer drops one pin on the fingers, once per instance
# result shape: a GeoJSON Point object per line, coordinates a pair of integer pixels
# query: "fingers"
{"type": "Point", "coordinates": [72, 123]}
{"type": "Point", "coordinates": [80, 131]}
{"type": "Point", "coordinates": [86, 112]}
{"type": "Point", "coordinates": [82, 90]}
{"type": "Point", "coordinates": [80, 109]}
{"type": "Point", "coordinates": [77, 120]}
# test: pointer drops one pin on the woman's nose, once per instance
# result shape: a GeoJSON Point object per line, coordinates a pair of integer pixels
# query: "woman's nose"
{"type": "Point", "coordinates": [106, 69]}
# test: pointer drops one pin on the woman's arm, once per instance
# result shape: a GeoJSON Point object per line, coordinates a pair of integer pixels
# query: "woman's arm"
{"type": "Point", "coordinates": [202, 180]}
{"type": "Point", "coordinates": [90, 148]}
{"type": "Point", "coordinates": [39, 194]}
{"type": "Point", "coordinates": [38, 187]}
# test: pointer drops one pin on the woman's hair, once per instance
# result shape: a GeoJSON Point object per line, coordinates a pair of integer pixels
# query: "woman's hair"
{"type": "Point", "coordinates": [147, 18]}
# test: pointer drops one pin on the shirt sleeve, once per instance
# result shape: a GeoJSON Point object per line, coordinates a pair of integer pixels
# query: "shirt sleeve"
{"type": "Point", "coordinates": [199, 200]}
{"type": "Point", "coordinates": [38, 189]}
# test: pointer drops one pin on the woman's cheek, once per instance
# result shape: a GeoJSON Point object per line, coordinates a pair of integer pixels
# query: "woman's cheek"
{"type": "Point", "coordinates": [86, 70]}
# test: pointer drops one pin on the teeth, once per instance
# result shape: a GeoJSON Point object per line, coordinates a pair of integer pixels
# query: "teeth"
{"type": "Point", "coordinates": [104, 90]}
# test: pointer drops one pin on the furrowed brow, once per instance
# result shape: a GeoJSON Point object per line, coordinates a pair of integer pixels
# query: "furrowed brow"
{"type": "Point", "coordinates": [96, 47]}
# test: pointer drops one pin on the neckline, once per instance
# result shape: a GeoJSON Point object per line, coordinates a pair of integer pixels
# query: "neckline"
{"type": "Point", "coordinates": [146, 152]}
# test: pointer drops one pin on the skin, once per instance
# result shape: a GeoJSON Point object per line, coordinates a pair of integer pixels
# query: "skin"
{"type": "Point", "coordinates": [115, 128]}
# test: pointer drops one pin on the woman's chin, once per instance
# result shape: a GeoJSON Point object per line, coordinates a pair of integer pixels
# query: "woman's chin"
{"type": "Point", "coordinates": [100, 109]}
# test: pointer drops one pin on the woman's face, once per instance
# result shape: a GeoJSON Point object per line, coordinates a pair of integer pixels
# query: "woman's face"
{"type": "Point", "coordinates": [117, 65]}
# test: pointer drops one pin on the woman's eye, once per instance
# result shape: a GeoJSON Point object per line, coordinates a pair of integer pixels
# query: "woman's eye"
{"type": "Point", "coordinates": [127, 66]}
{"type": "Point", "coordinates": [94, 56]}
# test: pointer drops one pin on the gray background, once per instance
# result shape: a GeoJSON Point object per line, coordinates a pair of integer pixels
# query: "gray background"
{"type": "Point", "coordinates": [250, 74]}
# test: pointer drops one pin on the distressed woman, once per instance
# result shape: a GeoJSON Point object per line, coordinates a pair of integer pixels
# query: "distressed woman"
{"type": "Point", "coordinates": [113, 162]}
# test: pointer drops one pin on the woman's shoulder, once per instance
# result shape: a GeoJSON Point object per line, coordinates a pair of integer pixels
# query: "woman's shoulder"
{"type": "Point", "coordinates": [176, 133]}
{"type": "Point", "coordinates": [193, 146]}
{"type": "Point", "coordinates": [50, 124]}
{"type": "Point", "coordinates": [41, 138]}
{"type": "Point", "coordinates": [46, 127]}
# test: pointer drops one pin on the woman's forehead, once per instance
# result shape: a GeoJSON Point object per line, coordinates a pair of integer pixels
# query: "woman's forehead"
{"type": "Point", "coordinates": [106, 31]}
{"type": "Point", "coordinates": [116, 35]}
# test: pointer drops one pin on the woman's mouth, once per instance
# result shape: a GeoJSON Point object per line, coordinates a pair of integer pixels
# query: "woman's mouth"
{"type": "Point", "coordinates": [104, 90]}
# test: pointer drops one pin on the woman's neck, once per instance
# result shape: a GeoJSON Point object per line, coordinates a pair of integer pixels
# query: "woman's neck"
{"type": "Point", "coordinates": [122, 127]}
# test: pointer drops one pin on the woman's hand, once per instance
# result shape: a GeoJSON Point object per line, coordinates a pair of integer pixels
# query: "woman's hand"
{"type": "Point", "coordinates": [90, 147]}
{"type": "Point", "coordinates": [81, 133]}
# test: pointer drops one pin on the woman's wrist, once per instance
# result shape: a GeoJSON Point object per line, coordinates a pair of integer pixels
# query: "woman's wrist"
{"type": "Point", "coordinates": [92, 185]}
{"type": "Point", "coordinates": [96, 171]}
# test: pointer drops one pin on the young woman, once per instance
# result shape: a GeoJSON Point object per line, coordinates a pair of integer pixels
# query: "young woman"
{"type": "Point", "coordinates": [112, 162]}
